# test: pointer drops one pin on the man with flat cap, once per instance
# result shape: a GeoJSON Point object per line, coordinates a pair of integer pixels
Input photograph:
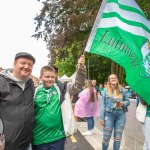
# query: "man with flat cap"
{"type": "Point", "coordinates": [16, 103]}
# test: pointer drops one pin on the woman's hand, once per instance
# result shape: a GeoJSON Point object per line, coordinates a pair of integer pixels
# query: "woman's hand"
{"type": "Point", "coordinates": [102, 122]}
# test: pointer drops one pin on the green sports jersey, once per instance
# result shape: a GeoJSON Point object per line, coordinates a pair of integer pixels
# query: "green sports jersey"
{"type": "Point", "coordinates": [101, 90]}
{"type": "Point", "coordinates": [48, 116]}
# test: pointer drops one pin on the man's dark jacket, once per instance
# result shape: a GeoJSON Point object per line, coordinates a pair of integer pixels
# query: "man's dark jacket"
{"type": "Point", "coordinates": [16, 112]}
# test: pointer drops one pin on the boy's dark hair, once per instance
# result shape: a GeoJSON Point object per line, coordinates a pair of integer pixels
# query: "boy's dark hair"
{"type": "Point", "coordinates": [47, 68]}
{"type": "Point", "coordinates": [56, 68]}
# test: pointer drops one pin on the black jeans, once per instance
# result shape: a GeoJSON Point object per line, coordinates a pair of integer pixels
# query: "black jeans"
{"type": "Point", "coordinates": [56, 145]}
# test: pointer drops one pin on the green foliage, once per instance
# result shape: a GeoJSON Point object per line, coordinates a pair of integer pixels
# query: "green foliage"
{"type": "Point", "coordinates": [145, 6]}
{"type": "Point", "coordinates": [98, 67]}
{"type": "Point", "coordinates": [67, 65]}
{"type": "Point", "coordinates": [62, 23]}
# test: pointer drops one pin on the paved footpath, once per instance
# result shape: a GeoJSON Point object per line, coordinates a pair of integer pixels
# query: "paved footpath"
{"type": "Point", "coordinates": [77, 142]}
{"type": "Point", "coordinates": [93, 142]}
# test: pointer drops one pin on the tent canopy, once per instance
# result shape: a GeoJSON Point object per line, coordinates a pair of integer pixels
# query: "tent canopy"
{"type": "Point", "coordinates": [65, 78]}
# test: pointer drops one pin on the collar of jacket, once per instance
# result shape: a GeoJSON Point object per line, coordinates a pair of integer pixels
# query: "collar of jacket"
{"type": "Point", "coordinates": [28, 83]}
{"type": "Point", "coordinates": [61, 91]}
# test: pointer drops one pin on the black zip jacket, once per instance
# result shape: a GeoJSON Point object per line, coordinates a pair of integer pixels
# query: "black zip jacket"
{"type": "Point", "coordinates": [16, 112]}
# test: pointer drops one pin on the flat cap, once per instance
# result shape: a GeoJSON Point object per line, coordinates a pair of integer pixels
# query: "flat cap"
{"type": "Point", "coordinates": [24, 55]}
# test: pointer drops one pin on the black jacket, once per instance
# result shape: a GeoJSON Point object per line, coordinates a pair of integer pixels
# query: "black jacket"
{"type": "Point", "coordinates": [16, 112]}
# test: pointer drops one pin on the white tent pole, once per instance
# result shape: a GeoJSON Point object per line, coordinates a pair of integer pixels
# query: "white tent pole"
{"type": "Point", "coordinates": [88, 68]}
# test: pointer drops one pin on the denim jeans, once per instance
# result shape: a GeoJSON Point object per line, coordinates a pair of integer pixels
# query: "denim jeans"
{"type": "Point", "coordinates": [56, 145]}
{"type": "Point", "coordinates": [113, 120]}
{"type": "Point", "coordinates": [146, 131]}
{"type": "Point", "coordinates": [90, 123]}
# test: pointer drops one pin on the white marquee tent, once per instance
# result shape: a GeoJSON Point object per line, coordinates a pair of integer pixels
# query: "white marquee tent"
{"type": "Point", "coordinates": [65, 78]}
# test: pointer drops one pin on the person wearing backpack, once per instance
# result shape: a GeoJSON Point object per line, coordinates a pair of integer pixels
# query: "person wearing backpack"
{"type": "Point", "coordinates": [50, 130]}
{"type": "Point", "coordinates": [113, 105]}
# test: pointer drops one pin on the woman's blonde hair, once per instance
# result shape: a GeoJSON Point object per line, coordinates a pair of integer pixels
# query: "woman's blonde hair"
{"type": "Point", "coordinates": [111, 90]}
{"type": "Point", "coordinates": [89, 85]}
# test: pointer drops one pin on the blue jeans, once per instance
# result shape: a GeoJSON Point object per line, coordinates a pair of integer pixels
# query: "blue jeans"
{"type": "Point", "coordinates": [90, 123]}
{"type": "Point", "coordinates": [113, 120]}
{"type": "Point", "coordinates": [56, 145]}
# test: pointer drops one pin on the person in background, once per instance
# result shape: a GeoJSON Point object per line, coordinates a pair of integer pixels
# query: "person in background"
{"type": "Point", "coordinates": [88, 106]}
{"type": "Point", "coordinates": [101, 88]}
{"type": "Point", "coordinates": [74, 99]}
{"type": "Point", "coordinates": [16, 103]}
{"type": "Point", "coordinates": [105, 85]}
{"type": "Point", "coordinates": [78, 119]}
{"type": "Point", "coordinates": [35, 81]}
{"type": "Point", "coordinates": [146, 124]}
{"type": "Point", "coordinates": [94, 82]}
{"type": "Point", "coordinates": [113, 105]}
{"type": "Point", "coordinates": [49, 130]}
{"type": "Point", "coordinates": [1, 69]}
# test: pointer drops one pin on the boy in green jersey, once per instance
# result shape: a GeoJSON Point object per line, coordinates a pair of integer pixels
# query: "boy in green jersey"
{"type": "Point", "coordinates": [49, 130]}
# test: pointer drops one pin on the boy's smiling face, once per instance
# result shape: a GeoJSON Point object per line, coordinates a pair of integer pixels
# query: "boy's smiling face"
{"type": "Point", "coordinates": [48, 78]}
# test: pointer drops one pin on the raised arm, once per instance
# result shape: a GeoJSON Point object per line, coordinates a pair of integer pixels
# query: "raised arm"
{"type": "Point", "coordinates": [76, 85]}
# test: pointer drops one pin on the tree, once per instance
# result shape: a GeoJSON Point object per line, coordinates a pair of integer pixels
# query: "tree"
{"type": "Point", "coordinates": [65, 26]}
{"type": "Point", "coordinates": [62, 23]}
{"type": "Point", "coordinates": [145, 5]}
{"type": "Point", "coordinates": [98, 67]}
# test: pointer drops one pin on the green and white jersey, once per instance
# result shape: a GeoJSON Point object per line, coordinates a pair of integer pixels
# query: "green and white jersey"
{"type": "Point", "coordinates": [48, 116]}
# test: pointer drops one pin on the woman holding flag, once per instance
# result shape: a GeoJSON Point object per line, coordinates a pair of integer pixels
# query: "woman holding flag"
{"type": "Point", "coordinates": [113, 105]}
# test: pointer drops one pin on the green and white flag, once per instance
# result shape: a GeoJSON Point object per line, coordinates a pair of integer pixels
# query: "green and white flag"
{"type": "Point", "coordinates": [122, 33]}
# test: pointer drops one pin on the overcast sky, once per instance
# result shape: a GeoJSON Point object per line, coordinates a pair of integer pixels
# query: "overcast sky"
{"type": "Point", "coordinates": [16, 28]}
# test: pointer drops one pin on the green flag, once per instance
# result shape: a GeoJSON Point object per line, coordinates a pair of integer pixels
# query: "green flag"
{"type": "Point", "coordinates": [122, 33]}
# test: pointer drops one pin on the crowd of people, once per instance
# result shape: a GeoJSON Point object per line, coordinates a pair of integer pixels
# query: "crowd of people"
{"type": "Point", "coordinates": [33, 110]}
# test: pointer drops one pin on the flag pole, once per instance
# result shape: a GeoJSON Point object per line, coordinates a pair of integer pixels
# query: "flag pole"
{"type": "Point", "coordinates": [92, 34]}
{"type": "Point", "coordinates": [88, 67]}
